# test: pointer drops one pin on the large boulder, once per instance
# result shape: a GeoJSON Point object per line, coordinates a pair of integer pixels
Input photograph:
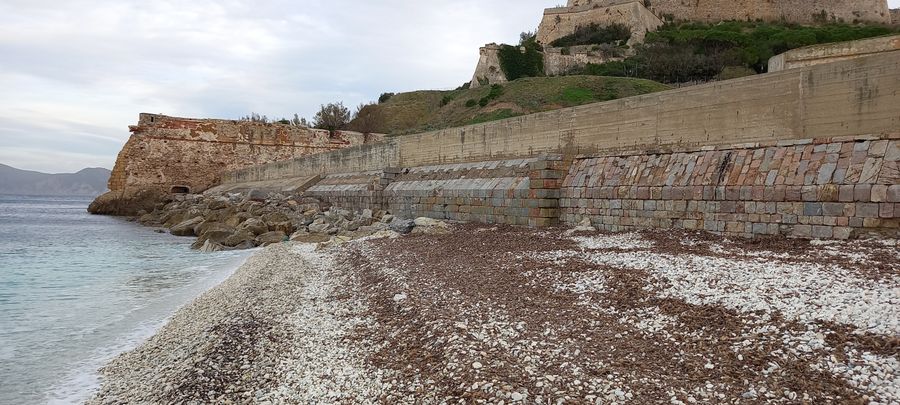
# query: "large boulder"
{"type": "Point", "coordinates": [319, 226]}
{"type": "Point", "coordinates": [238, 238]}
{"type": "Point", "coordinates": [186, 228]}
{"type": "Point", "coordinates": [257, 195]}
{"type": "Point", "coordinates": [254, 225]}
{"type": "Point", "coordinates": [120, 203]}
{"type": "Point", "coordinates": [402, 226]}
{"type": "Point", "coordinates": [218, 204]}
{"type": "Point", "coordinates": [269, 238]}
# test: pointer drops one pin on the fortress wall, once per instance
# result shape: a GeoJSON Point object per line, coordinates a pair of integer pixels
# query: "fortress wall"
{"type": "Point", "coordinates": [558, 23]}
{"type": "Point", "coordinates": [797, 11]}
{"type": "Point", "coordinates": [719, 157]}
{"type": "Point", "coordinates": [167, 151]}
{"type": "Point", "coordinates": [167, 154]}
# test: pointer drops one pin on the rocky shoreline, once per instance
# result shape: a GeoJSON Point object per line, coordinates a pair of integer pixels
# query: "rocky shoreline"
{"type": "Point", "coordinates": [481, 314]}
{"type": "Point", "coordinates": [244, 221]}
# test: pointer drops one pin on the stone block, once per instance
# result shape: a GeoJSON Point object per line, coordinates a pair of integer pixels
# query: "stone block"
{"type": "Point", "coordinates": [879, 193]}
{"type": "Point", "coordinates": [812, 209]}
{"type": "Point", "coordinates": [846, 193]}
{"type": "Point", "coordinates": [886, 210]}
{"type": "Point", "coordinates": [893, 194]}
{"type": "Point", "coordinates": [842, 233]}
{"type": "Point", "coordinates": [833, 209]}
{"type": "Point", "coordinates": [802, 231]}
{"type": "Point", "coordinates": [822, 232]}
{"type": "Point", "coordinates": [867, 210]}
{"type": "Point", "coordinates": [862, 192]}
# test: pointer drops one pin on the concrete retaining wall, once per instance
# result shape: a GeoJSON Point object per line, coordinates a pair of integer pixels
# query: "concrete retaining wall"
{"type": "Point", "coordinates": [769, 154]}
{"type": "Point", "coordinates": [829, 53]}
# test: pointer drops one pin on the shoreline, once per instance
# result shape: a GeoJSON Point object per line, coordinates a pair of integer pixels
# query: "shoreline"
{"type": "Point", "coordinates": [85, 379]}
{"type": "Point", "coordinates": [484, 313]}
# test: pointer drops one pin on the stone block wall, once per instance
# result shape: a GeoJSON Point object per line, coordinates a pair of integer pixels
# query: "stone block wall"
{"type": "Point", "coordinates": [559, 22]}
{"type": "Point", "coordinates": [519, 191]}
{"type": "Point", "coordinates": [819, 188]}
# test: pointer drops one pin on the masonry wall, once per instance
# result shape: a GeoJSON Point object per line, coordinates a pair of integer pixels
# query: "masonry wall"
{"type": "Point", "coordinates": [719, 157]}
{"type": "Point", "coordinates": [559, 22]}
{"type": "Point", "coordinates": [823, 188]}
{"type": "Point", "coordinates": [165, 152]}
{"type": "Point", "coordinates": [797, 11]}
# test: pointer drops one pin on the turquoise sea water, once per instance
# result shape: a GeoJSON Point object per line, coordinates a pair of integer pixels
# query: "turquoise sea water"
{"type": "Point", "coordinates": [77, 289]}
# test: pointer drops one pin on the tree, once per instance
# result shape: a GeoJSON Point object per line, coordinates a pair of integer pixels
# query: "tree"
{"type": "Point", "coordinates": [368, 118]}
{"type": "Point", "coordinates": [332, 117]}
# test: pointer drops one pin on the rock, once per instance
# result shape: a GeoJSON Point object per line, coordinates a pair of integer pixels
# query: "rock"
{"type": "Point", "coordinates": [237, 219]}
{"type": "Point", "coordinates": [209, 247]}
{"type": "Point", "coordinates": [218, 204]}
{"type": "Point", "coordinates": [270, 238]}
{"type": "Point", "coordinates": [516, 396]}
{"type": "Point", "coordinates": [238, 238]}
{"type": "Point", "coordinates": [387, 218]}
{"type": "Point", "coordinates": [583, 226]}
{"type": "Point", "coordinates": [402, 226]}
{"type": "Point", "coordinates": [366, 213]}
{"type": "Point", "coordinates": [476, 365]}
{"type": "Point", "coordinates": [245, 245]}
{"type": "Point", "coordinates": [400, 297]}
{"type": "Point", "coordinates": [319, 226]}
{"type": "Point", "coordinates": [287, 227]}
{"type": "Point", "coordinates": [257, 195]}
{"type": "Point", "coordinates": [306, 237]}
{"type": "Point", "coordinates": [186, 228]}
{"type": "Point", "coordinates": [275, 218]}
{"type": "Point", "coordinates": [425, 221]}
{"type": "Point", "coordinates": [430, 226]}
{"type": "Point", "coordinates": [122, 204]}
{"type": "Point", "coordinates": [255, 226]}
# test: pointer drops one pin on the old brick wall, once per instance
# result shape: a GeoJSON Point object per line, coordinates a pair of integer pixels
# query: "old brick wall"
{"type": "Point", "coordinates": [822, 188]}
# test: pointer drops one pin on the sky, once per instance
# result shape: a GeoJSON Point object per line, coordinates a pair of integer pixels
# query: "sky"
{"type": "Point", "coordinates": [74, 74]}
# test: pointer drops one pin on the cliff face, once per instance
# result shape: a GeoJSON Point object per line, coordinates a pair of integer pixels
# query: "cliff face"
{"type": "Point", "coordinates": [177, 155]}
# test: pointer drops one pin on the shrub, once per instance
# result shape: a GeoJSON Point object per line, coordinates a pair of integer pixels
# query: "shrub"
{"type": "Point", "coordinates": [471, 103]}
{"type": "Point", "coordinates": [594, 34]}
{"type": "Point", "coordinates": [384, 97]}
{"type": "Point", "coordinates": [447, 99]}
{"type": "Point", "coordinates": [525, 60]}
{"type": "Point", "coordinates": [332, 117]}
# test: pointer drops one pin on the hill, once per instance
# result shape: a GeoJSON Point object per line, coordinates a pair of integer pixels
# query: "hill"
{"type": "Point", "coordinates": [420, 111]}
{"type": "Point", "coordinates": [86, 182]}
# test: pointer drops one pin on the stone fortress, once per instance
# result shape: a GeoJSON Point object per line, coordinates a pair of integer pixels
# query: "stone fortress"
{"type": "Point", "coordinates": [809, 150]}
{"type": "Point", "coordinates": [643, 16]}
{"type": "Point", "coordinates": [183, 155]}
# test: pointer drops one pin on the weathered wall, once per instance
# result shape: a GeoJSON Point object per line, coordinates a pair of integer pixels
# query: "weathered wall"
{"type": "Point", "coordinates": [670, 159]}
{"type": "Point", "coordinates": [168, 153]}
{"type": "Point", "coordinates": [561, 61]}
{"type": "Point", "coordinates": [559, 22]}
{"type": "Point", "coordinates": [895, 16]}
{"type": "Point", "coordinates": [797, 11]}
{"type": "Point", "coordinates": [828, 53]}
{"type": "Point", "coordinates": [823, 188]}
{"type": "Point", "coordinates": [488, 70]}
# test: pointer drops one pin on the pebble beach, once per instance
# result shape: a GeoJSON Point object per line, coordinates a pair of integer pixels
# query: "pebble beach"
{"type": "Point", "coordinates": [481, 314]}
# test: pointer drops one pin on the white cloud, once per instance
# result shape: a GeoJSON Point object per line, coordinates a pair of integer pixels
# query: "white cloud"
{"type": "Point", "coordinates": [75, 74]}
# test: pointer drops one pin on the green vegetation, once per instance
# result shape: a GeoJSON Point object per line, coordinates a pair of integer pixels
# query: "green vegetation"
{"type": "Point", "coordinates": [421, 111]}
{"type": "Point", "coordinates": [685, 52]}
{"type": "Point", "coordinates": [595, 34]}
{"type": "Point", "coordinates": [384, 97]}
{"type": "Point", "coordinates": [524, 60]}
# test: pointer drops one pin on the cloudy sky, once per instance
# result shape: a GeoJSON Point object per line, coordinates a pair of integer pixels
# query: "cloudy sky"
{"type": "Point", "coordinates": [75, 73]}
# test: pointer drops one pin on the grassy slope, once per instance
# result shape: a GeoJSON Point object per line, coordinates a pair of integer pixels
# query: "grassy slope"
{"type": "Point", "coordinates": [420, 111]}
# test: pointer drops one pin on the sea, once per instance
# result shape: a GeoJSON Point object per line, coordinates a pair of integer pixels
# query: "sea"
{"type": "Point", "coordinates": [77, 289]}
